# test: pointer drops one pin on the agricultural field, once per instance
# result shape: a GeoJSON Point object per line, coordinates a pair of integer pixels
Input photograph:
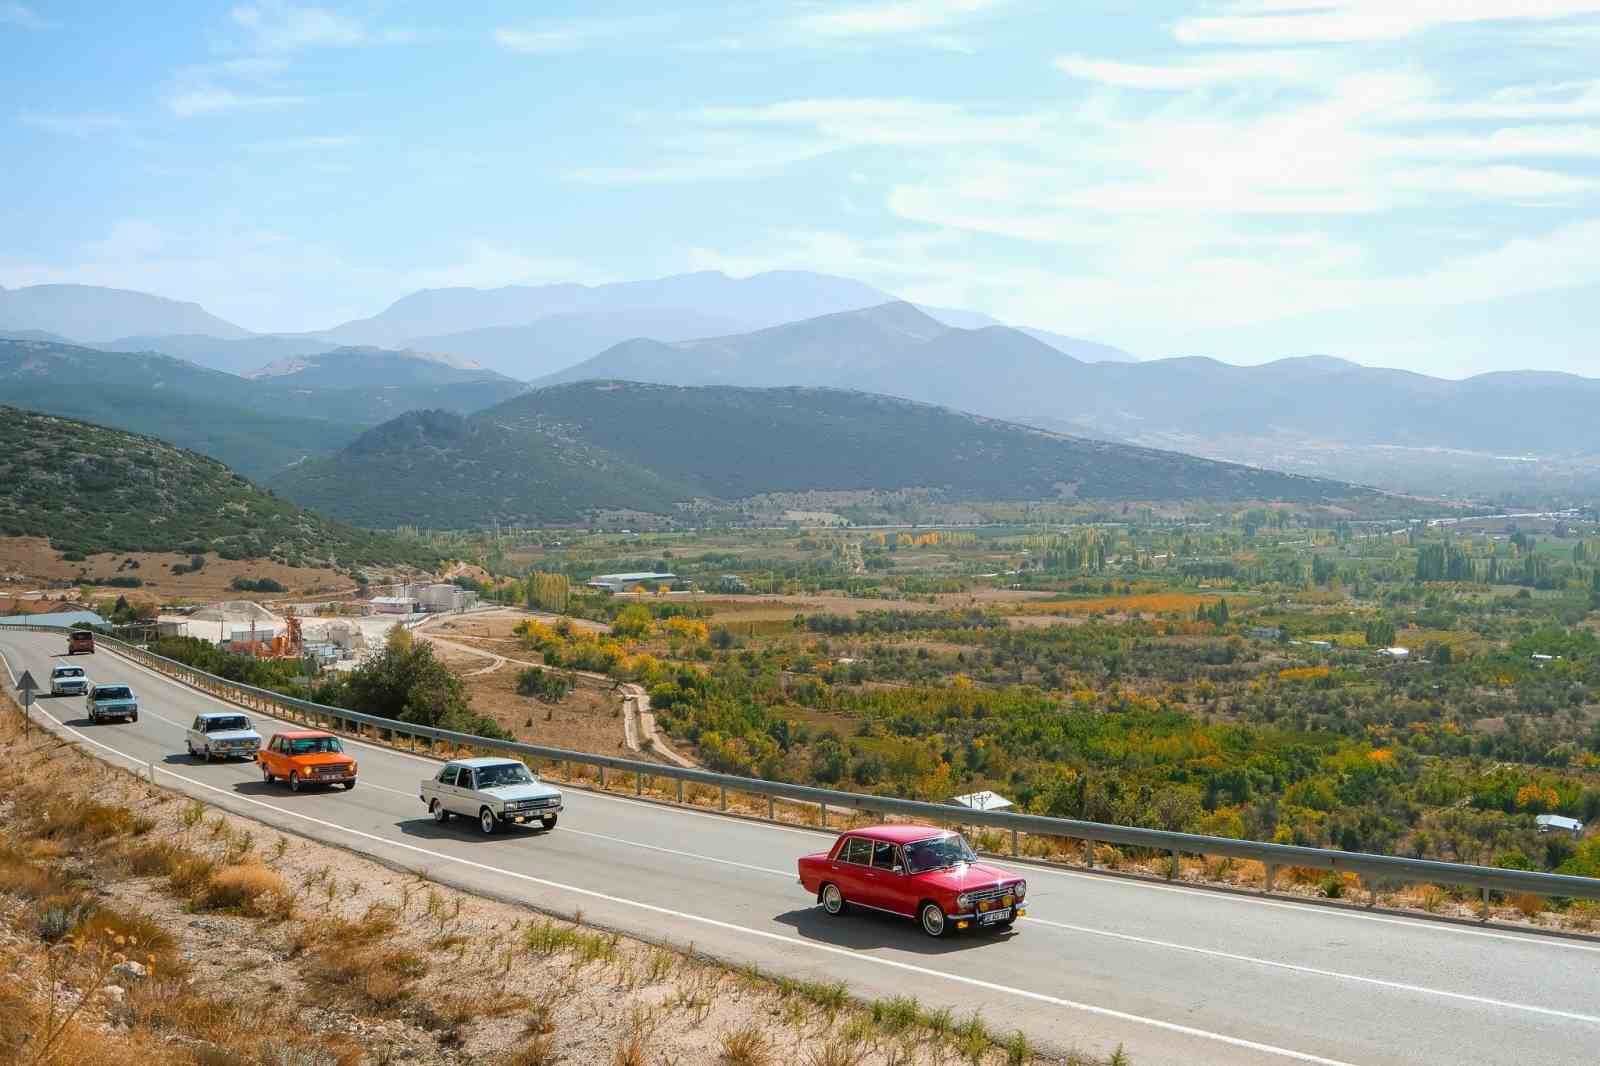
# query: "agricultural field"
{"type": "Point", "coordinates": [1233, 676]}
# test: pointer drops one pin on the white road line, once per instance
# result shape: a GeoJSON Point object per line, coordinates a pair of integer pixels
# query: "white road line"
{"type": "Point", "coordinates": [1303, 909]}
{"type": "Point", "coordinates": [829, 949]}
{"type": "Point", "coordinates": [1313, 971]}
{"type": "Point", "coordinates": [790, 874]}
{"type": "Point", "coordinates": [1306, 909]}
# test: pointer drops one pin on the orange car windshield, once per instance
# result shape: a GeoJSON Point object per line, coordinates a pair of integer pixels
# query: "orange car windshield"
{"type": "Point", "coordinates": [315, 746]}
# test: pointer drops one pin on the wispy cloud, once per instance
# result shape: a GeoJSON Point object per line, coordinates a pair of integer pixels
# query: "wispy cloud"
{"type": "Point", "coordinates": [279, 27]}
{"type": "Point", "coordinates": [1257, 22]}
{"type": "Point", "coordinates": [74, 125]}
{"type": "Point", "coordinates": [892, 17]}
{"type": "Point", "coordinates": [14, 14]}
{"type": "Point", "coordinates": [213, 101]}
{"type": "Point", "coordinates": [1190, 74]}
{"type": "Point", "coordinates": [316, 142]}
{"type": "Point", "coordinates": [569, 35]}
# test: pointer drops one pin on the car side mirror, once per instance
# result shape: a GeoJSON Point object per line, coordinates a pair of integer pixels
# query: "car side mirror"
{"type": "Point", "coordinates": [901, 870]}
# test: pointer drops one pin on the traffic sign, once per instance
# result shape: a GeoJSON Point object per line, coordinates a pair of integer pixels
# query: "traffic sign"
{"type": "Point", "coordinates": [27, 686]}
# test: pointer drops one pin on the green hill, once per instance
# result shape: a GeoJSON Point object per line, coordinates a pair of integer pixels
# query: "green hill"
{"type": "Point", "coordinates": [561, 453]}
{"type": "Point", "coordinates": [92, 489]}
{"type": "Point", "coordinates": [257, 426]}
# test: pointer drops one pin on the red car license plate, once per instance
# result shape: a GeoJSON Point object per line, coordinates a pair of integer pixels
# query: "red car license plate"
{"type": "Point", "coordinates": [991, 917]}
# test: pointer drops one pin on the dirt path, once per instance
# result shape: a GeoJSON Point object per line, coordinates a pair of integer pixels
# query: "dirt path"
{"type": "Point", "coordinates": [638, 721]}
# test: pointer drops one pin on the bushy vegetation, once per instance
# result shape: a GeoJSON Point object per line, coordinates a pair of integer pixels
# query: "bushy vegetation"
{"type": "Point", "coordinates": [260, 584]}
{"type": "Point", "coordinates": [90, 489]}
{"type": "Point", "coordinates": [407, 682]}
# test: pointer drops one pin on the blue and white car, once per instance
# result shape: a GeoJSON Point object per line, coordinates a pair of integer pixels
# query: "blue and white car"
{"type": "Point", "coordinates": [68, 681]}
{"type": "Point", "coordinates": [222, 735]}
{"type": "Point", "coordinates": [111, 702]}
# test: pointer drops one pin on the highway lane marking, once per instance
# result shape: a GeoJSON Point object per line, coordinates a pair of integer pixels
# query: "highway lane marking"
{"type": "Point", "coordinates": [1378, 981]}
{"type": "Point", "coordinates": [829, 949]}
{"type": "Point", "coordinates": [1022, 870]}
{"type": "Point", "coordinates": [1303, 909]}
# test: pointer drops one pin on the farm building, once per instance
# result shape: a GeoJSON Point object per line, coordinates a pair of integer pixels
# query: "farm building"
{"type": "Point", "coordinates": [624, 582]}
{"type": "Point", "coordinates": [394, 605]}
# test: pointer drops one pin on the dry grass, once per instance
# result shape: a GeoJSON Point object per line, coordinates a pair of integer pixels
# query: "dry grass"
{"type": "Point", "coordinates": [746, 1046]}
{"type": "Point", "coordinates": [245, 888]}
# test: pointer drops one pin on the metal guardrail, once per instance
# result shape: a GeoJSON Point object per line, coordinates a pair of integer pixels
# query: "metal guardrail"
{"type": "Point", "coordinates": [1374, 870]}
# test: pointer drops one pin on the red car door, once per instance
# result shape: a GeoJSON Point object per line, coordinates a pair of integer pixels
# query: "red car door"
{"type": "Point", "coordinates": [852, 861]}
{"type": "Point", "coordinates": [885, 885]}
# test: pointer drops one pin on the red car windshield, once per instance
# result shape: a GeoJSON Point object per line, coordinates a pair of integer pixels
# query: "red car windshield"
{"type": "Point", "coordinates": [937, 853]}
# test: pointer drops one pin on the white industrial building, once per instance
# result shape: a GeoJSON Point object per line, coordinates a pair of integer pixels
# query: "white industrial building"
{"type": "Point", "coordinates": [623, 582]}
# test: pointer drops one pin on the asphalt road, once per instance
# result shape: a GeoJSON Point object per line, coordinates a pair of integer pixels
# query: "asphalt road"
{"type": "Point", "coordinates": [1174, 974]}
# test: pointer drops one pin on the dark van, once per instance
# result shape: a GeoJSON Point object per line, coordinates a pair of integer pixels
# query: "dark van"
{"type": "Point", "coordinates": [80, 640]}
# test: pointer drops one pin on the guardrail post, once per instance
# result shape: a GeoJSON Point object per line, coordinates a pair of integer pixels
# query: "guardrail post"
{"type": "Point", "coordinates": [1272, 875]}
{"type": "Point", "coordinates": [1088, 853]}
{"type": "Point", "coordinates": [1372, 894]}
{"type": "Point", "coordinates": [1173, 870]}
{"type": "Point", "coordinates": [722, 797]}
{"type": "Point", "coordinates": [152, 768]}
{"type": "Point", "coordinates": [602, 775]}
{"type": "Point", "coordinates": [824, 816]}
{"type": "Point", "coordinates": [638, 783]}
{"type": "Point", "coordinates": [680, 790]}
{"type": "Point", "coordinates": [1483, 912]}
{"type": "Point", "coordinates": [1014, 850]}
{"type": "Point", "coordinates": [770, 816]}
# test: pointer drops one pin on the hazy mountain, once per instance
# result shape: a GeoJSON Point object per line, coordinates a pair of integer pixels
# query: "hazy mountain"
{"type": "Point", "coordinates": [256, 426]}
{"type": "Point", "coordinates": [559, 454]}
{"type": "Point", "coordinates": [354, 367]}
{"type": "Point", "coordinates": [237, 356]}
{"type": "Point", "coordinates": [92, 489]}
{"type": "Point", "coordinates": [893, 349]}
{"type": "Point", "coordinates": [556, 341]}
{"type": "Point", "coordinates": [759, 300]}
{"type": "Point", "coordinates": [93, 313]}
{"type": "Point", "coordinates": [1080, 349]}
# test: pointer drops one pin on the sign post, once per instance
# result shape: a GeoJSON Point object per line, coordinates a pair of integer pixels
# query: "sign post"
{"type": "Point", "coordinates": [26, 686]}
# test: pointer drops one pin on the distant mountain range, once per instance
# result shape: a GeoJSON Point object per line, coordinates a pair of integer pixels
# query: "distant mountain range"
{"type": "Point", "coordinates": [563, 453]}
{"type": "Point", "coordinates": [522, 331]}
{"type": "Point", "coordinates": [92, 313]}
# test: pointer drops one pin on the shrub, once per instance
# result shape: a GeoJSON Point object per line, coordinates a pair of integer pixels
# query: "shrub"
{"type": "Point", "coordinates": [242, 887]}
{"type": "Point", "coordinates": [548, 686]}
{"type": "Point", "coordinates": [260, 584]}
{"type": "Point", "coordinates": [746, 1046]}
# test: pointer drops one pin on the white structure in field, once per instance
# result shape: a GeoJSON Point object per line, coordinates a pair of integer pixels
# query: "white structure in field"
{"type": "Point", "coordinates": [232, 621]}
{"type": "Point", "coordinates": [1555, 823]}
{"type": "Point", "coordinates": [983, 801]}
{"type": "Point", "coordinates": [1399, 655]}
{"type": "Point", "coordinates": [623, 582]}
{"type": "Point", "coordinates": [393, 605]}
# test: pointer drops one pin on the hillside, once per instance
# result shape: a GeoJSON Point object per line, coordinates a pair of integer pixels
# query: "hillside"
{"type": "Point", "coordinates": [237, 356]}
{"type": "Point", "coordinates": [894, 349]}
{"type": "Point", "coordinates": [92, 489]}
{"type": "Point", "coordinates": [558, 454]}
{"type": "Point", "coordinates": [257, 427]}
{"type": "Point", "coordinates": [440, 469]}
{"type": "Point", "coordinates": [555, 342]}
{"type": "Point", "coordinates": [95, 313]}
{"type": "Point", "coordinates": [357, 367]}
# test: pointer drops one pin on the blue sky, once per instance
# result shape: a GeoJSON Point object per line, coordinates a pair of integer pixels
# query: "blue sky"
{"type": "Point", "coordinates": [1243, 178]}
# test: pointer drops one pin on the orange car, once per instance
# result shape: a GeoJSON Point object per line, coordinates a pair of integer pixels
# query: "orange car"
{"type": "Point", "coordinates": [306, 757]}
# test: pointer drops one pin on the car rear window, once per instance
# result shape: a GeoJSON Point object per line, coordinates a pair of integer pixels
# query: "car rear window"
{"type": "Point", "coordinates": [69, 671]}
{"type": "Point", "coordinates": [856, 850]}
{"type": "Point", "coordinates": [113, 692]}
{"type": "Point", "coordinates": [237, 721]}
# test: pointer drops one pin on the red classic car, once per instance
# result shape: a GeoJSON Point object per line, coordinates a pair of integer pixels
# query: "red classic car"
{"type": "Point", "coordinates": [914, 871]}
